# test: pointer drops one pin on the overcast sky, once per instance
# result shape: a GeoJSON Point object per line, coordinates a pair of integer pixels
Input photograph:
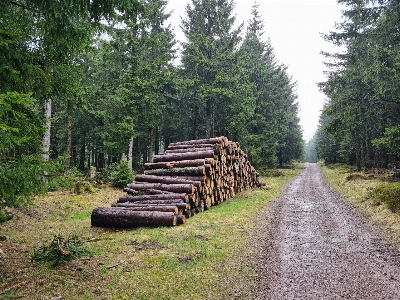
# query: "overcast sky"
{"type": "Point", "coordinates": [294, 28]}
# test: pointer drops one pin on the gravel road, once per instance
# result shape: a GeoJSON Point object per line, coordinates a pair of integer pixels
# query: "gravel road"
{"type": "Point", "coordinates": [314, 245]}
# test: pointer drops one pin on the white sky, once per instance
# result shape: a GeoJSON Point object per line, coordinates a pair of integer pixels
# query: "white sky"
{"type": "Point", "coordinates": [294, 27]}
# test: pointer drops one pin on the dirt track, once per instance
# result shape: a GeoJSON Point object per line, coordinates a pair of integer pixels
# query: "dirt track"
{"type": "Point", "coordinates": [318, 247]}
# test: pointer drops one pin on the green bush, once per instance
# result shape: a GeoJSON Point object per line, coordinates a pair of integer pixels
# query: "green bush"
{"type": "Point", "coordinates": [105, 173]}
{"type": "Point", "coordinates": [122, 175]}
{"type": "Point", "coordinates": [60, 250]}
{"type": "Point", "coordinates": [64, 180]}
{"type": "Point", "coordinates": [21, 179]}
{"type": "Point", "coordinates": [388, 193]}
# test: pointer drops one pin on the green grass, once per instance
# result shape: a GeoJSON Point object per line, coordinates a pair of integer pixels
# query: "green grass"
{"type": "Point", "coordinates": [206, 258]}
{"type": "Point", "coordinates": [388, 194]}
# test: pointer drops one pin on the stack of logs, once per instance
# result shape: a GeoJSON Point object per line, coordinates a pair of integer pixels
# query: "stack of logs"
{"type": "Point", "coordinates": [188, 178]}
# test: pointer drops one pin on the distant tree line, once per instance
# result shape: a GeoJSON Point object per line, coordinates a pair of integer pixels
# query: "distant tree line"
{"type": "Point", "coordinates": [93, 81]}
{"type": "Point", "coordinates": [360, 122]}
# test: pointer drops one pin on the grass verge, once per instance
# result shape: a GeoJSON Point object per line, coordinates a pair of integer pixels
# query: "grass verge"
{"type": "Point", "coordinates": [202, 259]}
{"type": "Point", "coordinates": [363, 189]}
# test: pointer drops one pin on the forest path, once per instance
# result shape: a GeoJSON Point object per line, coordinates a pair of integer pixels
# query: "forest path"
{"type": "Point", "coordinates": [314, 245]}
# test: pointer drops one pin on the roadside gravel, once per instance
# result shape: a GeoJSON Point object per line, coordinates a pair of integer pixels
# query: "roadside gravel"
{"type": "Point", "coordinates": [312, 244]}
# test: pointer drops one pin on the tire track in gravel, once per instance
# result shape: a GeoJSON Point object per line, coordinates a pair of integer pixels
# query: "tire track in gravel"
{"type": "Point", "coordinates": [314, 245]}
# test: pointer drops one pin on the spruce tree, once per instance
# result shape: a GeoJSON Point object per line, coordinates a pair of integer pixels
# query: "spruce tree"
{"type": "Point", "coordinates": [208, 63]}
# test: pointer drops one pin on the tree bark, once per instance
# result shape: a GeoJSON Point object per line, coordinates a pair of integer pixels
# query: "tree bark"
{"type": "Point", "coordinates": [179, 164]}
{"type": "Point", "coordinates": [182, 206]}
{"type": "Point", "coordinates": [183, 156]}
{"type": "Point", "coordinates": [47, 133]}
{"type": "Point", "coordinates": [150, 152]}
{"type": "Point", "coordinates": [183, 146]}
{"type": "Point", "coordinates": [215, 140]}
{"type": "Point", "coordinates": [176, 197]}
{"type": "Point", "coordinates": [176, 188]}
{"type": "Point", "coordinates": [199, 170]}
{"type": "Point", "coordinates": [130, 153]}
{"type": "Point", "coordinates": [150, 207]}
{"type": "Point", "coordinates": [69, 134]}
{"type": "Point", "coordinates": [186, 150]}
{"type": "Point", "coordinates": [180, 219]}
{"type": "Point", "coordinates": [125, 218]}
{"type": "Point", "coordinates": [146, 192]}
{"type": "Point", "coordinates": [166, 179]}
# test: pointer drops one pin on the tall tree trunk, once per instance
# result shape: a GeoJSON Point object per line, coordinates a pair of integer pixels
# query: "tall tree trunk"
{"type": "Point", "coordinates": [150, 152]}
{"type": "Point", "coordinates": [82, 156]}
{"type": "Point", "coordinates": [69, 136]}
{"type": "Point", "coordinates": [208, 119]}
{"type": "Point", "coordinates": [280, 158]}
{"type": "Point", "coordinates": [47, 134]}
{"type": "Point", "coordinates": [358, 154]}
{"type": "Point", "coordinates": [130, 153]}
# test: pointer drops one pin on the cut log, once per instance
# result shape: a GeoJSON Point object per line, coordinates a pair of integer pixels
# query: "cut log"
{"type": "Point", "coordinates": [183, 156]}
{"type": "Point", "coordinates": [125, 218]}
{"type": "Point", "coordinates": [155, 202]}
{"type": "Point", "coordinates": [179, 164]}
{"type": "Point", "coordinates": [186, 171]}
{"type": "Point", "coordinates": [165, 179]}
{"type": "Point", "coordinates": [188, 150]}
{"type": "Point", "coordinates": [181, 206]}
{"type": "Point", "coordinates": [146, 192]}
{"type": "Point", "coordinates": [172, 147]}
{"type": "Point", "coordinates": [180, 219]}
{"type": "Point", "coordinates": [165, 208]}
{"type": "Point", "coordinates": [176, 188]}
{"type": "Point", "coordinates": [183, 197]}
{"type": "Point", "coordinates": [202, 141]}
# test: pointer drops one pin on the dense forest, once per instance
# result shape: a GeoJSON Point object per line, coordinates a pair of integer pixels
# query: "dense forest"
{"type": "Point", "coordinates": [85, 84]}
{"type": "Point", "coordinates": [360, 122]}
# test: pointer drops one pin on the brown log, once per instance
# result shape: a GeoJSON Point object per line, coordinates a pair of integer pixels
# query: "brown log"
{"type": "Point", "coordinates": [172, 147]}
{"type": "Point", "coordinates": [176, 188]}
{"type": "Point", "coordinates": [190, 171]}
{"type": "Point", "coordinates": [182, 206]}
{"type": "Point", "coordinates": [182, 197]}
{"type": "Point", "coordinates": [191, 178]}
{"type": "Point", "coordinates": [202, 141]}
{"type": "Point", "coordinates": [125, 218]}
{"type": "Point", "coordinates": [146, 192]}
{"type": "Point", "coordinates": [165, 179]}
{"type": "Point", "coordinates": [188, 150]}
{"type": "Point", "coordinates": [179, 164]}
{"type": "Point", "coordinates": [165, 208]}
{"type": "Point", "coordinates": [167, 201]}
{"type": "Point", "coordinates": [183, 156]}
{"type": "Point", "coordinates": [180, 219]}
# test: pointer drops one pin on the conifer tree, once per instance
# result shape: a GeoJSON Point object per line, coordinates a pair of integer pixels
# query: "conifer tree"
{"type": "Point", "coordinates": [208, 62]}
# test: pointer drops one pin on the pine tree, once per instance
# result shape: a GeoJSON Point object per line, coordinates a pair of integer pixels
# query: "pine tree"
{"type": "Point", "coordinates": [208, 62]}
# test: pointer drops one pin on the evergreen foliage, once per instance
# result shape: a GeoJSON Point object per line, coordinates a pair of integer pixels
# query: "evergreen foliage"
{"type": "Point", "coordinates": [122, 95]}
{"type": "Point", "coordinates": [60, 250]}
{"type": "Point", "coordinates": [360, 119]}
{"type": "Point", "coordinates": [122, 175]}
{"type": "Point", "coordinates": [310, 151]}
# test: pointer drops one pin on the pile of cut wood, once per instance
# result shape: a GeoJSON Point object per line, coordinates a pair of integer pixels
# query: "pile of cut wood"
{"type": "Point", "coordinates": [186, 179]}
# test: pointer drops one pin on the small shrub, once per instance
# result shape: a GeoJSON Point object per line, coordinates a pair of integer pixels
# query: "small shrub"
{"type": "Point", "coordinates": [4, 216]}
{"type": "Point", "coordinates": [82, 186]}
{"type": "Point", "coordinates": [64, 180]}
{"type": "Point", "coordinates": [354, 176]}
{"type": "Point", "coordinates": [387, 193]}
{"type": "Point", "coordinates": [60, 250]}
{"type": "Point", "coordinates": [272, 173]}
{"type": "Point", "coordinates": [105, 173]}
{"type": "Point", "coordinates": [122, 175]}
